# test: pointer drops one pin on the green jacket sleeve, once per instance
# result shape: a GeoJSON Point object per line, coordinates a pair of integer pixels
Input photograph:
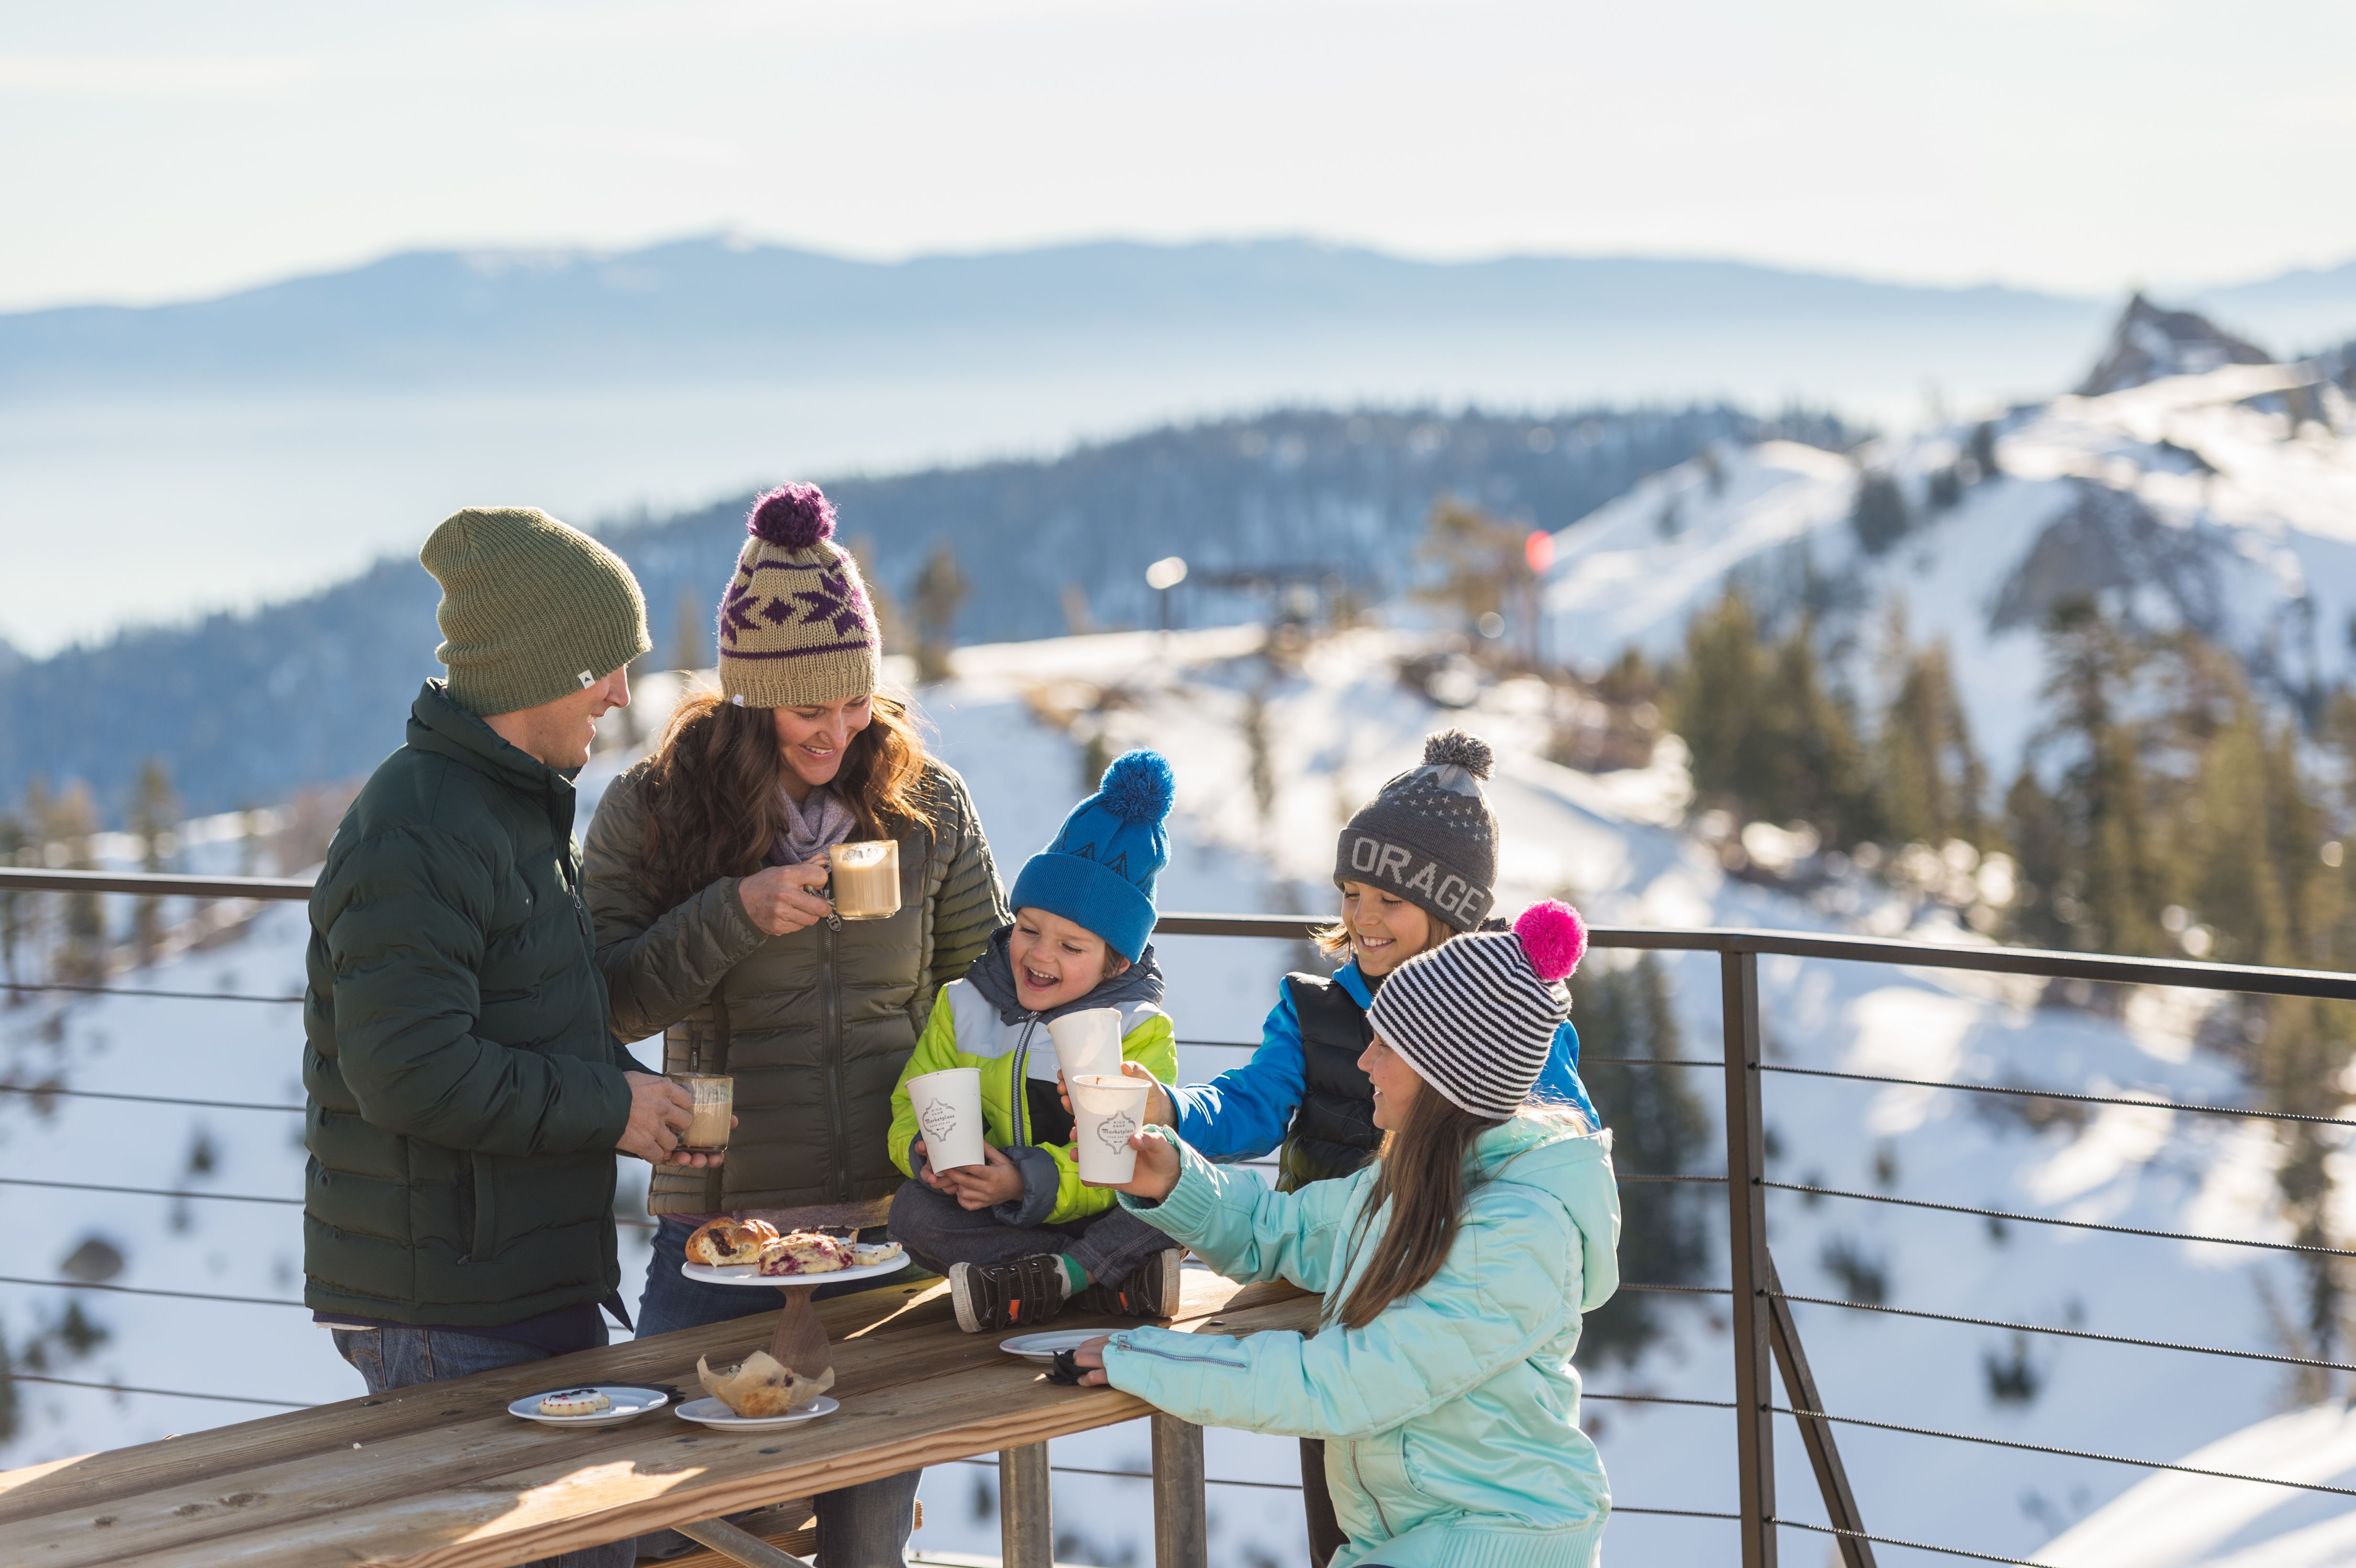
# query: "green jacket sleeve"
{"type": "Point", "coordinates": [404, 934]}
{"type": "Point", "coordinates": [659, 965]}
{"type": "Point", "coordinates": [936, 1049]}
{"type": "Point", "coordinates": [1509, 1285]}
{"type": "Point", "coordinates": [970, 905]}
{"type": "Point", "coordinates": [1153, 1042]}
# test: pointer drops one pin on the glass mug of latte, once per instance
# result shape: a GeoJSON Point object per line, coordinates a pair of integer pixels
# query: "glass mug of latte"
{"type": "Point", "coordinates": [714, 1110]}
{"type": "Point", "coordinates": [866, 879]}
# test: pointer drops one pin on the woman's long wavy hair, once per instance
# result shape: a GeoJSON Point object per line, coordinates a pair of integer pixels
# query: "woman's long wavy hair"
{"type": "Point", "coordinates": [1421, 1175]}
{"type": "Point", "coordinates": [715, 805]}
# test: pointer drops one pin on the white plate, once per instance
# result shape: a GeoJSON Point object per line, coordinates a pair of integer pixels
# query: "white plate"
{"type": "Point", "coordinates": [750, 1273]}
{"type": "Point", "coordinates": [1043, 1347]}
{"type": "Point", "coordinates": [629, 1403]}
{"type": "Point", "coordinates": [715, 1413]}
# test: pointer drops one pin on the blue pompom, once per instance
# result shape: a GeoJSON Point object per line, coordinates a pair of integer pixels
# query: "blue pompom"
{"type": "Point", "coordinates": [1138, 787]}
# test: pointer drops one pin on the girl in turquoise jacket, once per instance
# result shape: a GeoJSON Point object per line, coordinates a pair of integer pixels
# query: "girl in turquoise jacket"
{"type": "Point", "coordinates": [1455, 1269]}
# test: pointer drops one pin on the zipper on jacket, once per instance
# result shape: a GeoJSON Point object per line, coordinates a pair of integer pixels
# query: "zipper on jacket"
{"type": "Point", "coordinates": [1018, 1094]}
{"type": "Point", "coordinates": [832, 1040]}
{"type": "Point", "coordinates": [1380, 1514]}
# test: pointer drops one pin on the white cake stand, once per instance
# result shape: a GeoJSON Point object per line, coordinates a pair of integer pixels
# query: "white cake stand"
{"type": "Point", "coordinates": [799, 1343]}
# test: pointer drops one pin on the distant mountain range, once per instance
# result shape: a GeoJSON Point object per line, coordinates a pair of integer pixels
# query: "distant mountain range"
{"type": "Point", "coordinates": [247, 708]}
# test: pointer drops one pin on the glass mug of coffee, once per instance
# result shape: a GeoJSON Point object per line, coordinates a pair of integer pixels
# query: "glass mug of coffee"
{"type": "Point", "coordinates": [866, 879]}
{"type": "Point", "coordinates": [714, 1110]}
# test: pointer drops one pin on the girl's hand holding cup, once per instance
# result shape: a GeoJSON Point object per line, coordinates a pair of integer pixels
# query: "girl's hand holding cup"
{"type": "Point", "coordinates": [1157, 1166]}
{"type": "Point", "coordinates": [1159, 1111]}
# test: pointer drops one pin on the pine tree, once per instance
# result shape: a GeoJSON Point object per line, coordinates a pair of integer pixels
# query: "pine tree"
{"type": "Point", "coordinates": [15, 906]}
{"type": "Point", "coordinates": [690, 643]}
{"type": "Point", "coordinates": [1983, 449]}
{"type": "Point", "coordinates": [1483, 561]}
{"type": "Point", "coordinates": [1929, 780]}
{"type": "Point", "coordinates": [1658, 1128]}
{"type": "Point", "coordinates": [1715, 696]}
{"type": "Point", "coordinates": [940, 589]}
{"type": "Point", "coordinates": [154, 812]}
{"type": "Point", "coordinates": [1880, 514]}
{"type": "Point", "coordinates": [73, 819]}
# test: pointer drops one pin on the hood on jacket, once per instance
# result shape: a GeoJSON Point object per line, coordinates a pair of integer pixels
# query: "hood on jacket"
{"type": "Point", "coordinates": [1556, 1154]}
{"type": "Point", "coordinates": [993, 975]}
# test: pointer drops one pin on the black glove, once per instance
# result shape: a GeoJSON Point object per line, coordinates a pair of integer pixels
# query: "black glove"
{"type": "Point", "coordinates": [1068, 1369]}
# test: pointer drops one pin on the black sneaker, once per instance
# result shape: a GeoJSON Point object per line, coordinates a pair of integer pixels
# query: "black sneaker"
{"type": "Point", "coordinates": [1007, 1295]}
{"type": "Point", "coordinates": [1149, 1290]}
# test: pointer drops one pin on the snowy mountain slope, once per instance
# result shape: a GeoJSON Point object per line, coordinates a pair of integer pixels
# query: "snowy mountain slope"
{"type": "Point", "coordinates": [2224, 500]}
{"type": "Point", "coordinates": [2200, 1522]}
{"type": "Point", "coordinates": [1270, 756]}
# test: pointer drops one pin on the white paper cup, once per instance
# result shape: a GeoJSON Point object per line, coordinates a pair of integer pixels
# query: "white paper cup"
{"type": "Point", "coordinates": [948, 1111]}
{"type": "Point", "coordinates": [1106, 1109]}
{"type": "Point", "coordinates": [1087, 1042]}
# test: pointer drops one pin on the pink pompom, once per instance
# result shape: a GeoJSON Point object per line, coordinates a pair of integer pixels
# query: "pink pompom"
{"type": "Point", "coordinates": [1554, 938]}
{"type": "Point", "coordinates": [794, 516]}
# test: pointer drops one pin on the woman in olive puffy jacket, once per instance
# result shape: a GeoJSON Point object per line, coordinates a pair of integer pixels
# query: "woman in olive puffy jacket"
{"type": "Point", "coordinates": [706, 871]}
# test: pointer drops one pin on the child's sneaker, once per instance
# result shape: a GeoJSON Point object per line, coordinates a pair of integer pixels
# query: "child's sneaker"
{"type": "Point", "coordinates": [1149, 1290]}
{"type": "Point", "coordinates": [1014, 1295]}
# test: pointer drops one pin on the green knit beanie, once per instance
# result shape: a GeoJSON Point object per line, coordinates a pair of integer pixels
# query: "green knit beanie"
{"type": "Point", "coordinates": [531, 610]}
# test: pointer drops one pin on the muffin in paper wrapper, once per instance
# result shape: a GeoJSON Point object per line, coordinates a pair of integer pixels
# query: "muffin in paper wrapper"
{"type": "Point", "coordinates": [761, 1386]}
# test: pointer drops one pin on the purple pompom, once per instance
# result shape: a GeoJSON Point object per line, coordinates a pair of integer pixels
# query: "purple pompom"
{"type": "Point", "coordinates": [793, 515]}
{"type": "Point", "coordinates": [1554, 938]}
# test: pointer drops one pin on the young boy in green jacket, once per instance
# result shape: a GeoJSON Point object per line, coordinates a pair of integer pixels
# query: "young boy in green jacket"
{"type": "Point", "coordinates": [1019, 1236]}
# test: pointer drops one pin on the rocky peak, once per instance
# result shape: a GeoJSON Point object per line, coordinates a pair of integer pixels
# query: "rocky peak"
{"type": "Point", "coordinates": [2149, 342]}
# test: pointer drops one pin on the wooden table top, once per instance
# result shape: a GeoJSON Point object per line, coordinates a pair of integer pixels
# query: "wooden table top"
{"type": "Point", "coordinates": [440, 1475]}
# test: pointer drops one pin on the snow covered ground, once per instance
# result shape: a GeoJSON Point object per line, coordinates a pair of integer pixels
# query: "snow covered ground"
{"type": "Point", "coordinates": [1319, 737]}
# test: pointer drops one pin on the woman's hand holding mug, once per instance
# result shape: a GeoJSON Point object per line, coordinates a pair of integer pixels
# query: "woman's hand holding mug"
{"type": "Point", "coordinates": [779, 898]}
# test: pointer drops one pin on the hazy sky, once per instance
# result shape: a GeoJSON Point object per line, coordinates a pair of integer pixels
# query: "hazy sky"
{"type": "Point", "coordinates": [163, 149]}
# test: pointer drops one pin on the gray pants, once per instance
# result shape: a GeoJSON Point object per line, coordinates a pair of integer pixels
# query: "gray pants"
{"type": "Point", "coordinates": [937, 1233]}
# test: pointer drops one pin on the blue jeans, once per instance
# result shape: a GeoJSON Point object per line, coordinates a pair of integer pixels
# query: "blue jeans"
{"type": "Point", "coordinates": [866, 1526]}
{"type": "Point", "coordinates": [939, 1231]}
{"type": "Point", "coordinates": [403, 1358]}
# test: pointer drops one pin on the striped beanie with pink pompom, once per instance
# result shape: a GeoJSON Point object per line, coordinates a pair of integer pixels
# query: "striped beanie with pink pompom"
{"type": "Point", "coordinates": [1476, 1016]}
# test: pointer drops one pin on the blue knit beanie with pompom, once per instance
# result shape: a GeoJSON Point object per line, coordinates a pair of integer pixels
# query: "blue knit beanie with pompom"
{"type": "Point", "coordinates": [1099, 871]}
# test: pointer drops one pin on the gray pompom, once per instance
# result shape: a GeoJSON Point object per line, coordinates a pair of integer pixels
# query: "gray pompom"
{"type": "Point", "coordinates": [1455, 748]}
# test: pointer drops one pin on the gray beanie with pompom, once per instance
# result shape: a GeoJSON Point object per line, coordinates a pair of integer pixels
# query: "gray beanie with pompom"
{"type": "Point", "coordinates": [1429, 838]}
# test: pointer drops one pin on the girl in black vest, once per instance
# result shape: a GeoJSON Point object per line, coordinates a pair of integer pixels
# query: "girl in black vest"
{"type": "Point", "coordinates": [1416, 866]}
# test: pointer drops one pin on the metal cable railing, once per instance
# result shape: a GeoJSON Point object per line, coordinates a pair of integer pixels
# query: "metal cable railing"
{"type": "Point", "coordinates": [1738, 952]}
{"type": "Point", "coordinates": [2009, 1215]}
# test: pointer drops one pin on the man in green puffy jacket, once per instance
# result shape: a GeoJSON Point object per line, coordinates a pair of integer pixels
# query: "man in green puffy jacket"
{"type": "Point", "coordinates": [466, 1096]}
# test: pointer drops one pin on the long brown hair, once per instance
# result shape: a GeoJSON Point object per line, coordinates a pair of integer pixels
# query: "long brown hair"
{"type": "Point", "coordinates": [715, 805]}
{"type": "Point", "coordinates": [1419, 1174]}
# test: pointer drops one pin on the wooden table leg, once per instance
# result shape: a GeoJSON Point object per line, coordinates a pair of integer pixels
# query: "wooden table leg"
{"type": "Point", "coordinates": [800, 1342]}
{"type": "Point", "coordinates": [1181, 1529]}
{"type": "Point", "coordinates": [741, 1545]}
{"type": "Point", "coordinates": [1026, 1519]}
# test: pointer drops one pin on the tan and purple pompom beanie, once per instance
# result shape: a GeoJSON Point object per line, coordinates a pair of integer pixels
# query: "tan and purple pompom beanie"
{"type": "Point", "coordinates": [796, 628]}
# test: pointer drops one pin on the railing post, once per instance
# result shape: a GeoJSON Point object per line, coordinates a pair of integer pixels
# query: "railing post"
{"type": "Point", "coordinates": [1026, 1518]}
{"type": "Point", "coordinates": [1816, 1434]}
{"type": "Point", "coordinates": [1182, 1530]}
{"type": "Point", "coordinates": [1755, 1421]}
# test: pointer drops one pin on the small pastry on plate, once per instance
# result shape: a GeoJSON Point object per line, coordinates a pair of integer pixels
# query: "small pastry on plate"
{"type": "Point", "coordinates": [726, 1241]}
{"type": "Point", "coordinates": [804, 1252]}
{"type": "Point", "coordinates": [867, 1254]}
{"type": "Point", "coordinates": [574, 1402]}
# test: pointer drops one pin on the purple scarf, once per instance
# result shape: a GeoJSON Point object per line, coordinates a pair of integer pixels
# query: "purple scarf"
{"type": "Point", "coordinates": [811, 826]}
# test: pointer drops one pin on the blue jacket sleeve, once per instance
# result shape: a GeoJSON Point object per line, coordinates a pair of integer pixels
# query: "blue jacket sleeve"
{"type": "Point", "coordinates": [1558, 1082]}
{"type": "Point", "coordinates": [1244, 1112]}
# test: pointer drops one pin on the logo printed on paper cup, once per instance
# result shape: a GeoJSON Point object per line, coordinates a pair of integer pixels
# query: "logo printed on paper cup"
{"type": "Point", "coordinates": [940, 1119]}
{"type": "Point", "coordinates": [1114, 1130]}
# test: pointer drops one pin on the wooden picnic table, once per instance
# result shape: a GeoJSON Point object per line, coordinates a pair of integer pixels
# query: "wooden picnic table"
{"type": "Point", "coordinates": [440, 1475]}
